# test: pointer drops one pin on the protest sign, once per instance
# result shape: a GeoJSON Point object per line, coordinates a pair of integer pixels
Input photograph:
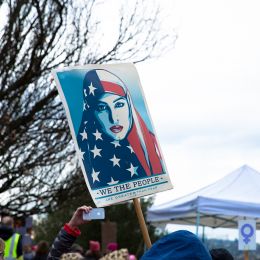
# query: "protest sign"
{"type": "Point", "coordinates": [247, 237]}
{"type": "Point", "coordinates": [112, 131]}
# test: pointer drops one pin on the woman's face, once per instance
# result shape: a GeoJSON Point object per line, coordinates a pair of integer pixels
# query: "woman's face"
{"type": "Point", "coordinates": [113, 114]}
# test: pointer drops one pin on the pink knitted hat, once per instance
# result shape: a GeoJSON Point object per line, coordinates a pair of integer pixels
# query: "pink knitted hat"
{"type": "Point", "coordinates": [112, 246]}
{"type": "Point", "coordinates": [94, 245]}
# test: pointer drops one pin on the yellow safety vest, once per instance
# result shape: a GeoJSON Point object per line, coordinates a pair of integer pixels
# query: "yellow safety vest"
{"type": "Point", "coordinates": [11, 247]}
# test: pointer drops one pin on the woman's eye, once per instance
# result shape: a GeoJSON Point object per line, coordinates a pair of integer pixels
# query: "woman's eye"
{"type": "Point", "coordinates": [101, 108]}
{"type": "Point", "coordinates": [119, 104]}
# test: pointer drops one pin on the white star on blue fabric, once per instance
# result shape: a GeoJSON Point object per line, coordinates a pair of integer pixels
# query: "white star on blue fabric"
{"type": "Point", "coordinates": [116, 143]}
{"type": "Point", "coordinates": [85, 92]}
{"type": "Point", "coordinates": [96, 151]}
{"type": "Point", "coordinates": [115, 161]}
{"type": "Point", "coordinates": [132, 170]}
{"type": "Point", "coordinates": [94, 176]}
{"type": "Point", "coordinates": [130, 148]}
{"type": "Point", "coordinates": [84, 135]}
{"type": "Point", "coordinates": [112, 182]}
{"type": "Point", "coordinates": [91, 89]}
{"type": "Point", "coordinates": [81, 154]}
{"type": "Point", "coordinates": [84, 106]}
{"type": "Point", "coordinates": [97, 135]}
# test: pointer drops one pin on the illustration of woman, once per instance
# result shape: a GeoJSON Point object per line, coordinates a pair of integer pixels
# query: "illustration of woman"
{"type": "Point", "coordinates": [115, 144]}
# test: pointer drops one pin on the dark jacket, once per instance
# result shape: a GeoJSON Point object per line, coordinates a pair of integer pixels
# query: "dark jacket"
{"type": "Point", "coordinates": [6, 232]}
{"type": "Point", "coordinates": [62, 243]}
{"type": "Point", "coordinates": [40, 257]}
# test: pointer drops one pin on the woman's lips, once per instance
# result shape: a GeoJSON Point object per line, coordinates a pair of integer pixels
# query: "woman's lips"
{"type": "Point", "coordinates": [116, 128]}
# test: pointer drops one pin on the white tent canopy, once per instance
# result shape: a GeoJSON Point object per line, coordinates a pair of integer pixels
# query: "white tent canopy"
{"type": "Point", "coordinates": [220, 204]}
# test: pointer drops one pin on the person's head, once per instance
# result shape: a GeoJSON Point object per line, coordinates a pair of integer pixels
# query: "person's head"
{"type": "Point", "coordinates": [2, 248]}
{"type": "Point", "coordinates": [106, 96]}
{"type": "Point", "coordinates": [132, 257]}
{"type": "Point", "coordinates": [8, 221]}
{"type": "Point", "coordinates": [94, 249]}
{"type": "Point", "coordinates": [112, 247]}
{"type": "Point", "coordinates": [94, 246]}
{"type": "Point", "coordinates": [29, 230]}
{"type": "Point", "coordinates": [121, 254]}
{"type": "Point", "coordinates": [220, 254]}
{"type": "Point", "coordinates": [72, 256]}
{"type": "Point", "coordinates": [179, 245]}
{"type": "Point", "coordinates": [124, 252]}
{"type": "Point", "coordinates": [42, 248]}
{"type": "Point", "coordinates": [76, 248]}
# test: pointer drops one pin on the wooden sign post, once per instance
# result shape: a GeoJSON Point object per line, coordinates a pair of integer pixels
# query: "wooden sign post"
{"type": "Point", "coordinates": [142, 224]}
{"type": "Point", "coordinates": [246, 256]}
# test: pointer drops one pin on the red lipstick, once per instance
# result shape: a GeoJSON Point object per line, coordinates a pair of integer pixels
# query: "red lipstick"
{"type": "Point", "coordinates": [116, 128]}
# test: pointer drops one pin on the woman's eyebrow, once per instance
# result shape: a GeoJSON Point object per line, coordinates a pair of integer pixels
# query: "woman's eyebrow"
{"type": "Point", "coordinates": [118, 99]}
{"type": "Point", "coordinates": [101, 103]}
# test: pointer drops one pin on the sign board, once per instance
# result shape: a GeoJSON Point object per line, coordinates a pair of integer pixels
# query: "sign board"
{"type": "Point", "coordinates": [112, 131]}
{"type": "Point", "coordinates": [247, 234]}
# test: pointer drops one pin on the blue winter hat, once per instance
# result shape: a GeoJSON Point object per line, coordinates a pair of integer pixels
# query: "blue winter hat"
{"type": "Point", "coordinates": [179, 245]}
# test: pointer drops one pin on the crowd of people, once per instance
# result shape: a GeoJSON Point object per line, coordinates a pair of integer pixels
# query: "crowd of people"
{"type": "Point", "coordinates": [13, 246]}
{"type": "Point", "coordinates": [179, 245]}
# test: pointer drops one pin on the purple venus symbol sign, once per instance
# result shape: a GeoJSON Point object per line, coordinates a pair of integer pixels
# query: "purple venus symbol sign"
{"type": "Point", "coordinates": [247, 232]}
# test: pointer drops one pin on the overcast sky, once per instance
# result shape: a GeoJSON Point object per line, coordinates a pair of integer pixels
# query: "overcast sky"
{"type": "Point", "coordinates": [204, 97]}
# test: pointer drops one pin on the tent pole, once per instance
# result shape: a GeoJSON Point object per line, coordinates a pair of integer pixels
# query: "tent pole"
{"type": "Point", "coordinates": [203, 234]}
{"type": "Point", "coordinates": [197, 223]}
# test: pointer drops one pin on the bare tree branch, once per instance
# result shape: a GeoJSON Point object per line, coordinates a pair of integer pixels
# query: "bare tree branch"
{"type": "Point", "coordinates": [37, 158]}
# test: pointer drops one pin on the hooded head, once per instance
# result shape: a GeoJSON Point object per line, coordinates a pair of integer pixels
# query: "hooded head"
{"type": "Point", "coordinates": [179, 245]}
{"type": "Point", "coordinates": [106, 99]}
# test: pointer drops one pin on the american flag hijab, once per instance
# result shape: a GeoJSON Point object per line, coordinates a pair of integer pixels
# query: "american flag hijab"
{"type": "Point", "coordinates": [114, 141]}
